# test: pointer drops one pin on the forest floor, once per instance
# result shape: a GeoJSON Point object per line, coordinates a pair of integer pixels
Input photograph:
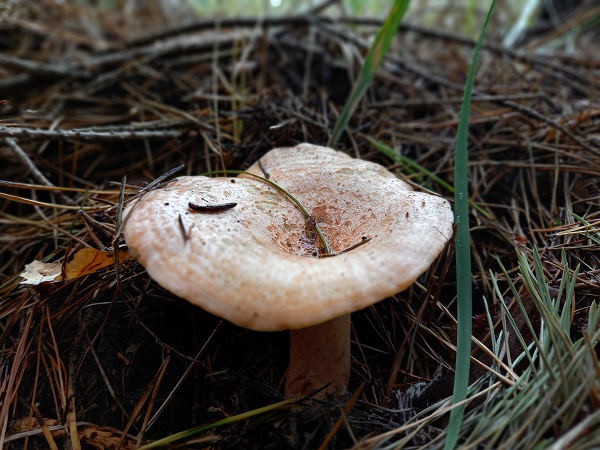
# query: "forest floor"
{"type": "Point", "coordinates": [94, 107]}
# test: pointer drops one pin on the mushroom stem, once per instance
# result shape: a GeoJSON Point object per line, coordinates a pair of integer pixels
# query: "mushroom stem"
{"type": "Point", "coordinates": [319, 355]}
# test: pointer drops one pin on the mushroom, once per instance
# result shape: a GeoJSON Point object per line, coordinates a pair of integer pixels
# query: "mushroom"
{"type": "Point", "coordinates": [242, 250]}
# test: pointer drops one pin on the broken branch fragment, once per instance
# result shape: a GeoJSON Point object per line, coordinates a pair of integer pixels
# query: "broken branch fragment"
{"type": "Point", "coordinates": [211, 208]}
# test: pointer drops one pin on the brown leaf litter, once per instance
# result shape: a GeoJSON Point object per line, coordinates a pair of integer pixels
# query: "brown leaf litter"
{"type": "Point", "coordinates": [94, 107]}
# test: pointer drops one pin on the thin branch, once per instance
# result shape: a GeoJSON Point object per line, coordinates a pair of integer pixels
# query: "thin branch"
{"type": "Point", "coordinates": [87, 134]}
{"type": "Point", "coordinates": [35, 172]}
{"type": "Point", "coordinates": [43, 69]}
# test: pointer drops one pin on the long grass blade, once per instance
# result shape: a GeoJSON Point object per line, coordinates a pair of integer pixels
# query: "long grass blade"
{"type": "Point", "coordinates": [463, 254]}
{"type": "Point", "coordinates": [369, 69]}
{"type": "Point", "coordinates": [194, 431]}
{"type": "Point", "coordinates": [408, 163]}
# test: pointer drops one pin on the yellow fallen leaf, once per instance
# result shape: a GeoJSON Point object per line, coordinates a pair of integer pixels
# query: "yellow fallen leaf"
{"type": "Point", "coordinates": [89, 260]}
{"type": "Point", "coordinates": [84, 262]}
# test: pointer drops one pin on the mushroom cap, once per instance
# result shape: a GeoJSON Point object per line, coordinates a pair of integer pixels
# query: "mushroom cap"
{"type": "Point", "coordinates": [253, 264]}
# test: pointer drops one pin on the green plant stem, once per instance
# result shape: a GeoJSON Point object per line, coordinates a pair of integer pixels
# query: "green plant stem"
{"type": "Point", "coordinates": [193, 431]}
{"type": "Point", "coordinates": [463, 254]}
{"type": "Point", "coordinates": [369, 68]}
{"type": "Point", "coordinates": [399, 159]}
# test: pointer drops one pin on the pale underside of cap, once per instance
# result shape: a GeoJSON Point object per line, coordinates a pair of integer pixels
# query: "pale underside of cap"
{"type": "Point", "coordinates": [253, 264]}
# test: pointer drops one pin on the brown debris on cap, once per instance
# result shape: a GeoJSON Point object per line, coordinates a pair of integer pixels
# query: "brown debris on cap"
{"type": "Point", "coordinates": [254, 264]}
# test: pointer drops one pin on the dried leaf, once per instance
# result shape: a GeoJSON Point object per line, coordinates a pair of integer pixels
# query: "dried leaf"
{"type": "Point", "coordinates": [84, 262]}
{"type": "Point", "coordinates": [89, 260]}
{"type": "Point", "coordinates": [97, 436]}
{"type": "Point", "coordinates": [40, 272]}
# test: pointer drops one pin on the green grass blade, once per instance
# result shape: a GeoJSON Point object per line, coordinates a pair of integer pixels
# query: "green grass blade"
{"type": "Point", "coordinates": [194, 431]}
{"type": "Point", "coordinates": [408, 163]}
{"type": "Point", "coordinates": [589, 230]}
{"type": "Point", "coordinates": [369, 69]}
{"type": "Point", "coordinates": [463, 254]}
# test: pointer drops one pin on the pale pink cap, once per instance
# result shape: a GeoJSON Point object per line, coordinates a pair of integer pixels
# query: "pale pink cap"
{"type": "Point", "coordinates": [253, 264]}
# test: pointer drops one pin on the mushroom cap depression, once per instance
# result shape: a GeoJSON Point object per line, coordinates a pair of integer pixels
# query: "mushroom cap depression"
{"type": "Point", "coordinates": [254, 264]}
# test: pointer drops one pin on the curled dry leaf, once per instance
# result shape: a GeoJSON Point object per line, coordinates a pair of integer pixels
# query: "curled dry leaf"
{"type": "Point", "coordinates": [37, 272]}
{"type": "Point", "coordinates": [85, 261]}
{"type": "Point", "coordinates": [89, 260]}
